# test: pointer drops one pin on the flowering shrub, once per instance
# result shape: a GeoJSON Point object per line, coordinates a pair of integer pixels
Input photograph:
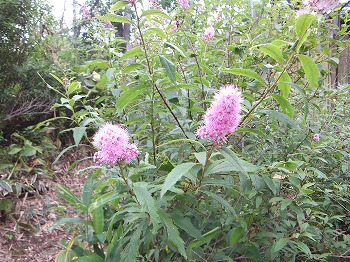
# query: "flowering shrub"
{"type": "Point", "coordinates": [261, 189]}
{"type": "Point", "coordinates": [222, 118]}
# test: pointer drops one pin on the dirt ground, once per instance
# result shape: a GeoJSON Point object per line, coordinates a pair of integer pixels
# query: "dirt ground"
{"type": "Point", "coordinates": [25, 234]}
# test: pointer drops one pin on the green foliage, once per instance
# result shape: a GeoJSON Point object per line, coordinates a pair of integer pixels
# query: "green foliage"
{"type": "Point", "coordinates": [272, 193]}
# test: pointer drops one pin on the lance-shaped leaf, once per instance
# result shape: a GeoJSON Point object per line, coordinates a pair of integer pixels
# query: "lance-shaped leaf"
{"type": "Point", "coordinates": [284, 104]}
{"type": "Point", "coordinates": [114, 18]}
{"type": "Point", "coordinates": [272, 51]}
{"type": "Point", "coordinates": [118, 5]}
{"type": "Point", "coordinates": [246, 72]}
{"type": "Point", "coordinates": [175, 175]}
{"type": "Point", "coordinates": [310, 68]}
{"type": "Point", "coordinates": [146, 200]}
{"type": "Point", "coordinates": [169, 68]}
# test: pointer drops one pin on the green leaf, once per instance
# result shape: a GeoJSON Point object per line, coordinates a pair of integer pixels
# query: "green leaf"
{"type": "Point", "coordinates": [250, 130]}
{"type": "Point", "coordinates": [246, 72]}
{"type": "Point", "coordinates": [306, 101]}
{"type": "Point", "coordinates": [130, 96]}
{"type": "Point", "coordinates": [233, 159]}
{"type": "Point", "coordinates": [201, 157]}
{"type": "Point", "coordinates": [159, 32]}
{"type": "Point", "coordinates": [131, 67]}
{"type": "Point", "coordinates": [287, 108]}
{"type": "Point", "coordinates": [280, 117]}
{"type": "Point", "coordinates": [146, 200]}
{"type": "Point", "coordinates": [98, 219]}
{"type": "Point", "coordinates": [302, 24]}
{"type": "Point", "coordinates": [272, 51]}
{"type": "Point", "coordinates": [185, 224]}
{"type": "Point", "coordinates": [171, 45]}
{"type": "Point", "coordinates": [72, 87]}
{"type": "Point", "coordinates": [155, 12]}
{"type": "Point", "coordinates": [89, 258]}
{"type": "Point", "coordinates": [131, 250]}
{"type": "Point", "coordinates": [169, 68]}
{"type": "Point", "coordinates": [283, 84]}
{"type": "Point", "coordinates": [115, 18]}
{"type": "Point", "coordinates": [104, 199]}
{"type": "Point", "coordinates": [222, 201]}
{"type": "Point", "coordinates": [132, 52]}
{"type": "Point", "coordinates": [65, 256]}
{"type": "Point", "coordinates": [173, 234]}
{"type": "Point", "coordinates": [269, 182]}
{"type": "Point", "coordinates": [66, 220]}
{"type": "Point", "coordinates": [236, 235]}
{"type": "Point", "coordinates": [281, 243]}
{"type": "Point", "coordinates": [87, 191]}
{"type": "Point", "coordinates": [207, 238]}
{"type": "Point", "coordinates": [78, 133]}
{"type": "Point", "coordinates": [175, 176]}
{"type": "Point", "coordinates": [304, 248]}
{"type": "Point", "coordinates": [311, 70]}
{"type": "Point", "coordinates": [118, 5]}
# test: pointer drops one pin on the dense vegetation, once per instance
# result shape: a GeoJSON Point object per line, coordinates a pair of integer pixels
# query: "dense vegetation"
{"type": "Point", "coordinates": [266, 179]}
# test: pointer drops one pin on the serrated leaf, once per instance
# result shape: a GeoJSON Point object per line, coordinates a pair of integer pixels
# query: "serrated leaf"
{"type": "Point", "coordinates": [283, 84]}
{"type": "Point", "coordinates": [175, 175]}
{"type": "Point", "coordinates": [114, 18]}
{"type": "Point", "coordinates": [145, 199]}
{"type": "Point", "coordinates": [131, 250]}
{"type": "Point", "coordinates": [169, 68]}
{"type": "Point", "coordinates": [272, 51]}
{"type": "Point", "coordinates": [118, 5]}
{"type": "Point", "coordinates": [78, 133]}
{"type": "Point", "coordinates": [287, 108]}
{"type": "Point", "coordinates": [246, 72]}
{"type": "Point", "coordinates": [132, 52]}
{"type": "Point", "coordinates": [311, 70]}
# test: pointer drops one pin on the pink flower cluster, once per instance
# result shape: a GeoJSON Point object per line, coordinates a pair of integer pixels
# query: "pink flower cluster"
{"type": "Point", "coordinates": [108, 23]}
{"type": "Point", "coordinates": [113, 144]}
{"type": "Point", "coordinates": [208, 33]}
{"type": "Point", "coordinates": [321, 5]}
{"type": "Point", "coordinates": [223, 116]}
{"type": "Point", "coordinates": [85, 12]}
{"type": "Point", "coordinates": [316, 137]}
{"type": "Point", "coordinates": [184, 4]}
{"type": "Point", "coordinates": [174, 27]}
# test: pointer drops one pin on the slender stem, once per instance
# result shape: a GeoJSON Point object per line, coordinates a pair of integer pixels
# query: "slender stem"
{"type": "Point", "coordinates": [199, 70]}
{"type": "Point", "coordinates": [188, 92]}
{"type": "Point", "coordinates": [150, 71]}
{"type": "Point", "coordinates": [121, 174]}
{"type": "Point", "coordinates": [266, 92]}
